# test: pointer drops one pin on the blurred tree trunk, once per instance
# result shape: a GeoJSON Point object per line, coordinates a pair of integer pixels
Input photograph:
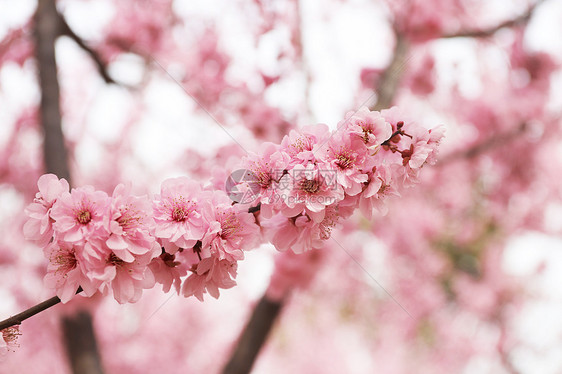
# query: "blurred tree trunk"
{"type": "Point", "coordinates": [253, 337]}
{"type": "Point", "coordinates": [47, 29]}
{"type": "Point", "coordinates": [78, 330]}
{"type": "Point", "coordinates": [81, 345]}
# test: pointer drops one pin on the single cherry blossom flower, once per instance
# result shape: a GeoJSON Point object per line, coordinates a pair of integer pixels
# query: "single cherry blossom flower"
{"type": "Point", "coordinates": [301, 234]}
{"type": "Point", "coordinates": [208, 276]}
{"type": "Point", "coordinates": [79, 214]}
{"type": "Point", "coordinates": [129, 222]}
{"type": "Point", "coordinates": [231, 230]}
{"type": "Point", "coordinates": [347, 155]}
{"type": "Point", "coordinates": [369, 126]}
{"type": "Point", "coordinates": [39, 226]}
{"type": "Point", "coordinates": [309, 187]}
{"type": "Point", "coordinates": [300, 145]}
{"type": "Point", "coordinates": [168, 270]}
{"type": "Point", "coordinates": [126, 280]}
{"type": "Point", "coordinates": [9, 339]}
{"type": "Point", "coordinates": [66, 271]}
{"type": "Point", "coordinates": [265, 169]}
{"type": "Point", "coordinates": [379, 186]}
{"type": "Point", "coordinates": [177, 214]}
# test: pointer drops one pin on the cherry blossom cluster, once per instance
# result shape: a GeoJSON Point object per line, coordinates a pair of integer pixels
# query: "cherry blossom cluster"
{"type": "Point", "coordinates": [124, 244]}
{"type": "Point", "coordinates": [192, 237]}
{"type": "Point", "coordinates": [315, 177]}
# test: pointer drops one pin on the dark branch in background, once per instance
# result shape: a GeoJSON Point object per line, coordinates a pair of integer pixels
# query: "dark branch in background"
{"type": "Point", "coordinates": [81, 344]}
{"type": "Point", "coordinates": [483, 33]}
{"type": "Point", "coordinates": [78, 337]}
{"type": "Point", "coordinates": [390, 78]}
{"type": "Point", "coordinates": [100, 64]}
{"type": "Point", "coordinates": [253, 337]}
{"type": "Point", "coordinates": [484, 146]}
{"type": "Point", "coordinates": [20, 317]}
{"type": "Point", "coordinates": [46, 32]}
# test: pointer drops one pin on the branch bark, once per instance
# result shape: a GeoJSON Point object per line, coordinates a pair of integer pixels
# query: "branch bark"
{"type": "Point", "coordinates": [483, 33]}
{"type": "Point", "coordinates": [253, 337]}
{"type": "Point", "coordinates": [20, 317]}
{"type": "Point", "coordinates": [100, 64]}
{"type": "Point", "coordinates": [484, 146]}
{"type": "Point", "coordinates": [81, 345]}
{"type": "Point", "coordinates": [79, 336]}
{"type": "Point", "coordinates": [47, 29]}
{"type": "Point", "coordinates": [390, 79]}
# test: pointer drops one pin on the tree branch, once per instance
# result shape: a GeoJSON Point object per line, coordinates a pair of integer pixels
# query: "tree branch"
{"type": "Point", "coordinates": [30, 312]}
{"type": "Point", "coordinates": [390, 78]}
{"type": "Point", "coordinates": [484, 146]}
{"type": "Point", "coordinates": [253, 337]}
{"type": "Point", "coordinates": [48, 26]}
{"type": "Point", "coordinates": [81, 345]}
{"type": "Point", "coordinates": [46, 32]}
{"type": "Point", "coordinates": [100, 64]}
{"type": "Point", "coordinates": [483, 33]}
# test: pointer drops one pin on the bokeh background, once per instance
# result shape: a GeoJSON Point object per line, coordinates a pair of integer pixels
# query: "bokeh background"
{"type": "Point", "coordinates": [461, 275]}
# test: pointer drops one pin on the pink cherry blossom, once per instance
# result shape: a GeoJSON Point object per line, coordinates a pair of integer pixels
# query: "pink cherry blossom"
{"type": "Point", "coordinates": [411, 145]}
{"type": "Point", "coordinates": [230, 229]}
{"type": "Point", "coordinates": [309, 187]}
{"type": "Point", "coordinates": [9, 339]}
{"type": "Point", "coordinates": [348, 157]}
{"type": "Point", "coordinates": [177, 214]}
{"type": "Point", "coordinates": [168, 271]}
{"type": "Point", "coordinates": [79, 214]}
{"type": "Point", "coordinates": [39, 226]}
{"type": "Point", "coordinates": [266, 169]}
{"type": "Point", "coordinates": [129, 222]}
{"type": "Point", "coordinates": [66, 271]}
{"type": "Point", "coordinates": [126, 280]}
{"type": "Point", "coordinates": [208, 276]}
{"type": "Point", "coordinates": [379, 186]}
{"type": "Point", "coordinates": [301, 233]}
{"type": "Point", "coordinates": [300, 145]}
{"type": "Point", "coordinates": [370, 126]}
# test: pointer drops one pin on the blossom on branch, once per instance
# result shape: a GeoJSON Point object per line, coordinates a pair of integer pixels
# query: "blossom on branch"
{"type": "Point", "coordinates": [39, 226]}
{"type": "Point", "coordinates": [192, 237]}
{"type": "Point", "coordinates": [9, 339]}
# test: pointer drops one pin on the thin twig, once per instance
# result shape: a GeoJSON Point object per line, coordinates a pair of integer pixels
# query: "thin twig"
{"type": "Point", "coordinates": [485, 145]}
{"type": "Point", "coordinates": [483, 33]}
{"type": "Point", "coordinates": [388, 84]}
{"type": "Point", "coordinates": [100, 64]}
{"type": "Point", "coordinates": [20, 317]}
{"type": "Point", "coordinates": [253, 337]}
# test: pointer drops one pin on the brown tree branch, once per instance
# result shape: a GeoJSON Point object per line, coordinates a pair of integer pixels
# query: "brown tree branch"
{"type": "Point", "coordinates": [483, 33]}
{"type": "Point", "coordinates": [46, 32]}
{"type": "Point", "coordinates": [81, 345]}
{"type": "Point", "coordinates": [484, 146]}
{"type": "Point", "coordinates": [20, 317]}
{"type": "Point", "coordinates": [253, 337]}
{"type": "Point", "coordinates": [100, 64]}
{"type": "Point", "coordinates": [47, 27]}
{"type": "Point", "coordinates": [390, 79]}
{"type": "Point", "coordinates": [30, 312]}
